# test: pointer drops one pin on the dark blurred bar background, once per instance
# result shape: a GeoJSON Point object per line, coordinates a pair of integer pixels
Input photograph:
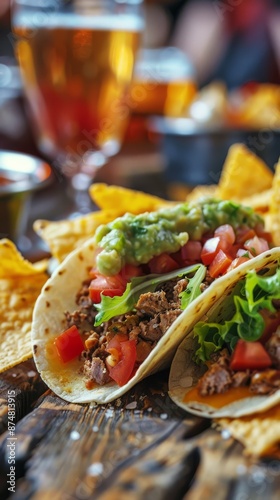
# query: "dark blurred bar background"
{"type": "Point", "coordinates": [232, 41]}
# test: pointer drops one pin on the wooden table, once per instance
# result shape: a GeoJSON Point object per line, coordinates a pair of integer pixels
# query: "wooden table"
{"type": "Point", "coordinates": [142, 446]}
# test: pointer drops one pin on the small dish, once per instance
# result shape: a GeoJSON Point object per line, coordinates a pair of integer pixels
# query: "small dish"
{"type": "Point", "coordinates": [20, 176]}
{"type": "Point", "coordinates": [195, 154]}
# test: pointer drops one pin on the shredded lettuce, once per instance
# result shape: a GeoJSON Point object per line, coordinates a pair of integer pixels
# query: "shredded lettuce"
{"type": "Point", "coordinates": [115, 306]}
{"type": "Point", "coordinates": [256, 293]}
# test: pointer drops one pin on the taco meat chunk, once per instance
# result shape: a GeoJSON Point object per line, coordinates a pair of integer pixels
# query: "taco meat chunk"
{"type": "Point", "coordinates": [219, 378]}
{"type": "Point", "coordinates": [266, 382]}
{"type": "Point", "coordinates": [273, 349]}
{"type": "Point", "coordinates": [153, 314]}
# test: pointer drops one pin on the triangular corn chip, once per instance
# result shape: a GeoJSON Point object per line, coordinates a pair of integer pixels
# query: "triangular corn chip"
{"type": "Point", "coordinates": [259, 433]}
{"type": "Point", "coordinates": [13, 265]}
{"type": "Point", "coordinates": [64, 236]}
{"type": "Point", "coordinates": [124, 200]}
{"type": "Point", "coordinates": [244, 174]}
{"type": "Point", "coordinates": [20, 285]}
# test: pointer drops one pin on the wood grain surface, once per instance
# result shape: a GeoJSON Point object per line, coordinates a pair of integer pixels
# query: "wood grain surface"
{"type": "Point", "coordinates": [142, 446]}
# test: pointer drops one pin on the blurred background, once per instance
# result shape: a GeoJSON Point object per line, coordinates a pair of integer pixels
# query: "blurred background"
{"type": "Point", "coordinates": [233, 42]}
{"type": "Point", "coordinates": [207, 75]}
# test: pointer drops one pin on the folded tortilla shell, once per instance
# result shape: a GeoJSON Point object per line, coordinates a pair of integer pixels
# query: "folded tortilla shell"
{"type": "Point", "coordinates": [185, 373]}
{"type": "Point", "coordinates": [58, 295]}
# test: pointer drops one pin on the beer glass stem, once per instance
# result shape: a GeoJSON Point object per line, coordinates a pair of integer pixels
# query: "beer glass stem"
{"type": "Point", "coordinates": [80, 184]}
{"type": "Point", "coordinates": [82, 179]}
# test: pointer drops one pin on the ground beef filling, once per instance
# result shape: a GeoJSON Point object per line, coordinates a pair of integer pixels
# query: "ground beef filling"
{"type": "Point", "coordinates": [219, 378]}
{"type": "Point", "coordinates": [153, 314]}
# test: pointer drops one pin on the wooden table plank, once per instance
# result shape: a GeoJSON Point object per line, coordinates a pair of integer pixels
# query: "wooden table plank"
{"type": "Point", "coordinates": [225, 472]}
{"type": "Point", "coordinates": [142, 446]}
{"type": "Point", "coordinates": [67, 451]}
{"type": "Point", "coordinates": [25, 384]}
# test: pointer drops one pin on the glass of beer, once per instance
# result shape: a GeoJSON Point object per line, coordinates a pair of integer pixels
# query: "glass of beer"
{"type": "Point", "coordinates": [77, 59]}
{"type": "Point", "coordinates": [164, 84]}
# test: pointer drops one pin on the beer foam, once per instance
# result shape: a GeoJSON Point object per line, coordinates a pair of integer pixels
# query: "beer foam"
{"type": "Point", "coordinates": [49, 20]}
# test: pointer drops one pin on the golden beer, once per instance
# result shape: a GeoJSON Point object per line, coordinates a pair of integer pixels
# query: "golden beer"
{"type": "Point", "coordinates": [166, 98]}
{"type": "Point", "coordinates": [163, 85]}
{"type": "Point", "coordinates": [77, 79]}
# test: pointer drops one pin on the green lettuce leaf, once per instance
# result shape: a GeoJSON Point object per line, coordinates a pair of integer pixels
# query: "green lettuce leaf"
{"type": "Point", "coordinates": [193, 289]}
{"type": "Point", "coordinates": [115, 306]}
{"type": "Point", "coordinates": [246, 322]}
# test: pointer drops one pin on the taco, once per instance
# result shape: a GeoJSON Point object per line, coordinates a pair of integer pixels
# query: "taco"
{"type": "Point", "coordinates": [229, 364]}
{"type": "Point", "coordinates": [117, 308]}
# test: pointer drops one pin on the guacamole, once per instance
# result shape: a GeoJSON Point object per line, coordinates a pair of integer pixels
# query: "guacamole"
{"type": "Point", "coordinates": [135, 239]}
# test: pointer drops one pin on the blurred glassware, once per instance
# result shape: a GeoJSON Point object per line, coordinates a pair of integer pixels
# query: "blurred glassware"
{"type": "Point", "coordinates": [15, 133]}
{"type": "Point", "coordinates": [77, 61]}
{"type": "Point", "coordinates": [163, 84]}
{"type": "Point", "coordinates": [20, 176]}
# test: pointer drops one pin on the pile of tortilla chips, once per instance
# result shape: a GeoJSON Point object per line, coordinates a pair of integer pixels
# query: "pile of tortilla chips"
{"type": "Point", "coordinates": [20, 285]}
{"type": "Point", "coordinates": [245, 178]}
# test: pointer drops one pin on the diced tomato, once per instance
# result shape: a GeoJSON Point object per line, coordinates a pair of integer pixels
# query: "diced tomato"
{"type": "Point", "coordinates": [243, 234]}
{"type": "Point", "coordinates": [237, 262]}
{"type": "Point", "coordinates": [232, 250]}
{"type": "Point", "coordinates": [94, 271]}
{"type": "Point", "coordinates": [242, 252]}
{"type": "Point", "coordinates": [121, 360]}
{"type": "Point", "coordinates": [210, 250]}
{"type": "Point", "coordinates": [107, 285]}
{"type": "Point", "coordinates": [261, 233]}
{"type": "Point", "coordinates": [226, 233]}
{"type": "Point", "coordinates": [162, 264]}
{"type": "Point", "coordinates": [272, 321]}
{"type": "Point", "coordinates": [206, 236]}
{"type": "Point", "coordinates": [249, 355]}
{"type": "Point", "coordinates": [191, 251]}
{"type": "Point", "coordinates": [116, 340]}
{"type": "Point", "coordinates": [219, 264]}
{"type": "Point", "coordinates": [69, 344]}
{"type": "Point", "coordinates": [130, 271]}
{"type": "Point", "coordinates": [256, 245]}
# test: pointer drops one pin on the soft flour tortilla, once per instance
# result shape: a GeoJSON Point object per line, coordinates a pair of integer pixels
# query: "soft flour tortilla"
{"type": "Point", "coordinates": [58, 296]}
{"type": "Point", "coordinates": [185, 373]}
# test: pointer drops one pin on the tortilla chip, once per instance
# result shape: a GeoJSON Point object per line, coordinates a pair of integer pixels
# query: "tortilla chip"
{"type": "Point", "coordinates": [260, 202]}
{"type": "Point", "coordinates": [202, 191]}
{"type": "Point", "coordinates": [64, 236]}
{"type": "Point", "coordinates": [274, 209]}
{"type": "Point", "coordinates": [262, 108]}
{"type": "Point", "coordinates": [14, 265]}
{"type": "Point", "coordinates": [20, 285]}
{"type": "Point", "coordinates": [244, 174]}
{"type": "Point", "coordinates": [177, 191]}
{"type": "Point", "coordinates": [259, 433]}
{"type": "Point", "coordinates": [126, 200]}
